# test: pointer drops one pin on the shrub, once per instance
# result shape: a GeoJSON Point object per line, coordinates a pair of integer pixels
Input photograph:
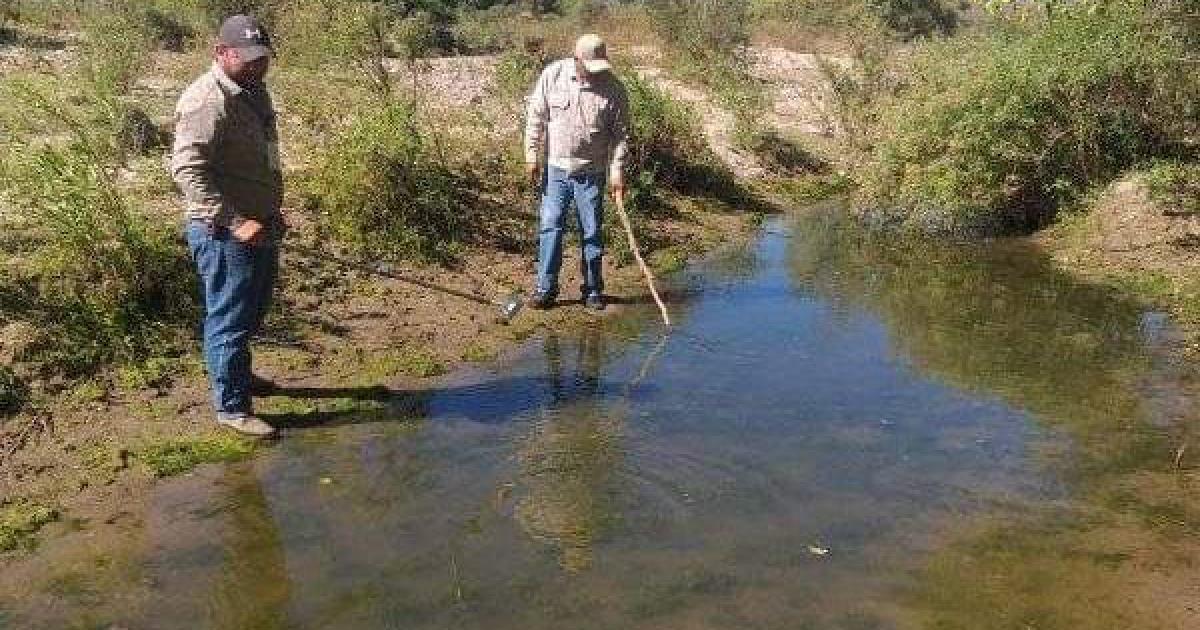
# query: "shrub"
{"type": "Point", "coordinates": [701, 28]}
{"type": "Point", "coordinates": [168, 29]}
{"type": "Point", "coordinates": [517, 71]}
{"type": "Point", "coordinates": [100, 282]}
{"type": "Point", "coordinates": [666, 148]}
{"type": "Point", "coordinates": [13, 391]}
{"type": "Point", "coordinates": [10, 11]}
{"type": "Point", "coordinates": [384, 189]}
{"type": "Point", "coordinates": [803, 21]}
{"type": "Point", "coordinates": [915, 18]}
{"type": "Point", "coordinates": [320, 34]}
{"type": "Point", "coordinates": [998, 130]}
{"type": "Point", "coordinates": [1175, 186]}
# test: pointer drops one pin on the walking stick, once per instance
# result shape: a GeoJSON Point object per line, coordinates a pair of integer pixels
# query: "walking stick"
{"type": "Point", "coordinates": [637, 255]}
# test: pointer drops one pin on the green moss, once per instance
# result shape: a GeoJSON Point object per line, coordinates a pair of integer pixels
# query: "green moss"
{"type": "Point", "coordinates": [19, 521]}
{"type": "Point", "coordinates": [812, 188]}
{"type": "Point", "coordinates": [478, 353]}
{"type": "Point", "coordinates": [153, 373]}
{"type": "Point", "coordinates": [668, 259]}
{"type": "Point", "coordinates": [174, 457]}
{"type": "Point", "coordinates": [87, 392]}
{"type": "Point", "coordinates": [377, 366]}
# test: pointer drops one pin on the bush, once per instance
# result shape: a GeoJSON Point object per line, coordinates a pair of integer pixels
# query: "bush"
{"type": "Point", "coordinates": [100, 283]}
{"type": "Point", "coordinates": [803, 21]}
{"type": "Point", "coordinates": [997, 131]}
{"type": "Point", "coordinates": [384, 189]}
{"type": "Point", "coordinates": [666, 148]}
{"type": "Point", "coordinates": [13, 391]}
{"type": "Point", "coordinates": [330, 34]}
{"type": "Point", "coordinates": [1175, 186]}
{"type": "Point", "coordinates": [915, 18]}
{"type": "Point", "coordinates": [517, 71]}
{"type": "Point", "coordinates": [10, 11]}
{"type": "Point", "coordinates": [701, 28]}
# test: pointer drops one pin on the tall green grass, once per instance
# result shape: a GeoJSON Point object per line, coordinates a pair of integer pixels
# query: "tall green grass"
{"type": "Point", "coordinates": [99, 280]}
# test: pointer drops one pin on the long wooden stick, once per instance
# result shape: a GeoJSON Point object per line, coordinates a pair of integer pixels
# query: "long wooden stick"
{"type": "Point", "coordinates": [637, 255]}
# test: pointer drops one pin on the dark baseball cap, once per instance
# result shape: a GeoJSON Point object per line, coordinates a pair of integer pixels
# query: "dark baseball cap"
{"type": "Point", "coordinates": [246, 34]}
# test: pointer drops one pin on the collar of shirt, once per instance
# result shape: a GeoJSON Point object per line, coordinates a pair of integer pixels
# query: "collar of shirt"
{"type": "Point", "coordinates": [582, 82]}
{"type": "Point", "coordinates": [229, 85]}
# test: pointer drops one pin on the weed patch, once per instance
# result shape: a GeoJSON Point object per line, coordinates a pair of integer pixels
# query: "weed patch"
{"type": "Point", "coordinates": [20, 521]}
{"type": "Point", "coordinates": [175, 457]}
{"type": "Point", "coordinates": [1175, 186]}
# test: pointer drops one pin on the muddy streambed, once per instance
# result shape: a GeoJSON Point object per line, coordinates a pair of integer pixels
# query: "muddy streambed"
{"type": "Point", "coordinates": [839, 433]}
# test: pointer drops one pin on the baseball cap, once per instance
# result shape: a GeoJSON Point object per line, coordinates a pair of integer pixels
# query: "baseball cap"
{"type": "Point", "coordinates": [246, 34]}
{"type": "Point", "coordinates": [591, 51]}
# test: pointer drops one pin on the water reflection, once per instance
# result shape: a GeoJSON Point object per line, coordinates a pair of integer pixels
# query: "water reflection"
{"type": "Point", "coordinates": [252, 587]}
{"type": "Point", "coordinates": [995, 319]}
{"type": "Point", "coordinates": [570, 453]}
{"type": "Point", "coordinates": [821, 393]}
{"type": "Point", "coordinates": [1001, 321]}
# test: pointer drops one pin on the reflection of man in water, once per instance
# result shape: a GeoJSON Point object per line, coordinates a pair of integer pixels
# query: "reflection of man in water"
{"type": "Point", "coordinates": [252, 589]}
{"type": "Point", "coordinates": [569, 458]}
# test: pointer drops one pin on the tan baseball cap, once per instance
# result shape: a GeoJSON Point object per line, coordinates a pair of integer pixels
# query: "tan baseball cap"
{"type": "Point", "coordinates": [591, 51]}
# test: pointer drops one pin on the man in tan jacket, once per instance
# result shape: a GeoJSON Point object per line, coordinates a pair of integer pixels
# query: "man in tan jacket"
{"type": "Point", "coordinates": [225, 161]}
{"type": "Point", "coordinates": [579, 114]}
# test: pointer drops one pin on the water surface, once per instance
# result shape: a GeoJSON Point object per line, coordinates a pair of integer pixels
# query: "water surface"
{"type": "Point", "coordinates": [830, 418]}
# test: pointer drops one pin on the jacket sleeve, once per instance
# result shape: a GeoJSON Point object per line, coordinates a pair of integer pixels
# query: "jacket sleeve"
{"type": "Point", "coordinates": [197, 129]}
{"type": "Point", "coordinates": [620, 136]}
{"type": "Point", "coordinates": [537, 113]}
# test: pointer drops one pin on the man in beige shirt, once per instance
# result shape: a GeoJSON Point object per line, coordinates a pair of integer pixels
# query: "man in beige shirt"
{"type": "Point", "coordinates": [225, 161]}
{"type": "Point", "coordinates": [579, 115]}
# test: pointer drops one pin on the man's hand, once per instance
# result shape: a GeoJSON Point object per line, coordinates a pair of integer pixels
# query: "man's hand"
{"type": "Point", "coordinates": [617, 188]}
{"type": "Point", "coordinates": [532, 172]}
{"type": "Point", "coordinates": [249, 232]}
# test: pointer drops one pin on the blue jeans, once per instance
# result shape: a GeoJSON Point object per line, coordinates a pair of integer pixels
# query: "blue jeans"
{"type": "Point", "coordinates": [587, 191]}
{"type": "Point", "coordinates": [237, 281]}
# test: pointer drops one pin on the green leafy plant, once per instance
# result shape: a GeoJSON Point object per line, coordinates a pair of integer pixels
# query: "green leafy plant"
{"type": "Point", "coordinates": [385, 189]}
{"type": "Point", "coordinates": [20, 520]}
{"type": "Point", "coordinates": [996, 131]}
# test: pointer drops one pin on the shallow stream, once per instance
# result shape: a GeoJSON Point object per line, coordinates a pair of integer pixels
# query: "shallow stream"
{"type": "Point", "coordinates": [839, 433]}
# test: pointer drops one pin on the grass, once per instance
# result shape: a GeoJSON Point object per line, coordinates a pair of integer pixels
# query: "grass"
{"type": "Point", "coordinates": [1175, 186]}
{"type": "Point", "coordinates": [479, 353]}
{"type": "Point", "coordinates": [20, 521]}
{"type": "Point", "coordinates": [177, 456]}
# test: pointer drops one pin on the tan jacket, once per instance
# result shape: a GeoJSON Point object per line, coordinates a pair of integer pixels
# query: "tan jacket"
{"type": "Point", "coordinates": [584, 127]}
{"type": "Point", "coordinates": [226, 153]}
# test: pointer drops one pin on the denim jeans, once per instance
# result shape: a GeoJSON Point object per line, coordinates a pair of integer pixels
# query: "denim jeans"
{"type": "Point", "coordinates": [237, 280]}
{"type": "Point", "coordinates": [587, 191]}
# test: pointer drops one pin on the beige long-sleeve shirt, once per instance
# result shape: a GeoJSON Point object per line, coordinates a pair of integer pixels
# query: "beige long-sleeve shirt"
{"type": "Point", "coordinates": [584, 125]}
{"type": "Point", "coordinates": [225, 158]}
